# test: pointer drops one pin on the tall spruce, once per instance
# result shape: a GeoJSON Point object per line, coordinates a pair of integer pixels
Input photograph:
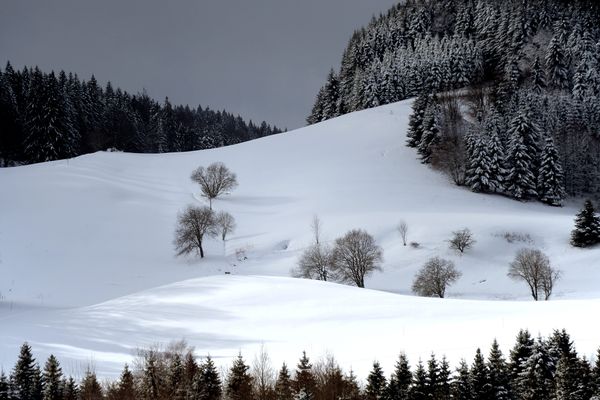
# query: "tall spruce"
{"type": "Point", "coordinates": [283, 385]}
{"type": "Point", "coordinates": [401, 379]}
{"type": "Point", "coordinates": [550, 179]}
{"type": "Point", "coordinates": [376, 384]}
{"type": "Point", "coordinates": [587, 227]}
{"type": "Point", "coordinates": [304, 383]}
{"type": "Point", "coordinates": [26, 379]}
{"type": "Point", "coordinates": [239, 381]}
{"type": "Point", "coordinates": [53, 380]}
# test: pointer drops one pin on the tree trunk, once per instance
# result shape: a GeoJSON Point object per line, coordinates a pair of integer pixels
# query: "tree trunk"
{"type": "Point", "coordinates": [201, 250]}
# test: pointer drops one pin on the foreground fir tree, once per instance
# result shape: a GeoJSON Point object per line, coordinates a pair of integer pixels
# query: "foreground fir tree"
{"type": "Point", "coordinates": [283, 385]}
{"type": "Point", "coordinates": [479, 174]}
{"type": "Point", "coordinates": [376, 384]}
{"type": "Point", "coordinates": [71, 391]}
{"type": "Point", "coordinates": [419, 389]}
{"type": "Point", "coordinates": [4, 386]}
{"type": "Point", "coordinates": [400, 381]}
{"type": "Point", "coordinates": [520, 353]}
{"type": "Point", "coordinates": [304, 383]}
{"type": "Point", "coordinates": [175, 379]}
{"type": "Point", "coordinates": [550, 179]}
{"type": "Point", "coordinates": [126, 386]}
{"type": "Point", "coordinates": [498, 374]}
{"type": "Point", "coordinates": [431, 134]}
{"type": "Point", "coordinates": [90, 388]}
{"type": "Point", "coordinates": [26, 380]}
{"type": "Point", "coordinates": [415, 122]}
{"type": "Point", "coordinates": [53, 380]}
{"type": "Point", "coordinates": [239, 381]}
{"type": "Point", "coordinates": [521, 180]}
{"type": "Point", "coordinates": [535, 382]}
{"type": "Point", "coordinates": [461, 385]}
{"type": "Point", "coordinates": [207, 385]}
{"type": "Point", "coordinates": [481, 387]}
{"type": "Point", "coordinates": [587, 227]}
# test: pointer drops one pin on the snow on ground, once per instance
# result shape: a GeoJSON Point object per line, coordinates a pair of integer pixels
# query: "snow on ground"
{"type": "Point", "coordinates": [80, 238]}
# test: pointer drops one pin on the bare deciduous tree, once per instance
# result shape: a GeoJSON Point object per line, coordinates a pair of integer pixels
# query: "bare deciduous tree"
{"type": "Point", "coordinates": [355, 256]}
{"type": "Point", "coordinates": [533, 267]}
{"type": "Point", "coordinates": [194, 223]}
{"type": "Point", "coordinates": [435, 276]}
{"type": "Point", "coordinates": [214, 180]}
{"type": "Point", "coordinates": [462, 240]}
{"type": "Point", "coordinates": [316, 262]}
{"type": "Point", "coordinates": [403, 230]}
{"type": "Point", "coordinates": [225, 224]}
{"type": "Point", "coordinates": [263, 374]}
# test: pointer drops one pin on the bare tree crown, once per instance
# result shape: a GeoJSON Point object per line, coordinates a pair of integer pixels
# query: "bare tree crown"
{"type": "Point", "coordinates": [434, 278]}
{"type": "Point", "coordinates": [193, 224]}
{"type": "Point", "coordinates": [214, 180]}
{"type": "Point", "coordinates": [355, 256]}
{"type": "Point", "coordinates": [462, 240]}
{"type": "Point", "coordinates": [533, 267]}
{"type": "Point", "coordinates": [403, 230]}
{"type": "Point", "coordinates": [224, 224]}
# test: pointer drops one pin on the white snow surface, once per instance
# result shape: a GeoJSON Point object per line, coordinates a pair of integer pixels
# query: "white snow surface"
{"type": "Point", "coordinates": [88, 270]}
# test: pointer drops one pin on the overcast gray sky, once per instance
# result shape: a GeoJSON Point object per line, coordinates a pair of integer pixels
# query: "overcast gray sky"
{"type": "Point", "coordinates": [262, 59]}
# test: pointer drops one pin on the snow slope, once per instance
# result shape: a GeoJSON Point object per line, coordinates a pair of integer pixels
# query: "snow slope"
{"type": "Point", "coordinates": [98, 229]}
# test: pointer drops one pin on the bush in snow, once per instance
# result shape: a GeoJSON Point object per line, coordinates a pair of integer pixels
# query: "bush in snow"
{"type": "Point", "coordinates": [435, 276]}
{"type": "Point", "coordinates": [462, 240]}
{"type": "Point", "coordinates": [356, 255]}
{"type": "Point", "coordinates": [403, 231]}
{"type": "Point", "coordinates": [533, 267]}
{"type": "Point", "coordinates": [194, 224]}
{"type": "Point", "coordinates": [214, 180]}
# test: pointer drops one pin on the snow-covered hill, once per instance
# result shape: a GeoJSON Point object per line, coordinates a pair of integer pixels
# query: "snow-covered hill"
{"type": "Point", "coordinates": [99, 229]}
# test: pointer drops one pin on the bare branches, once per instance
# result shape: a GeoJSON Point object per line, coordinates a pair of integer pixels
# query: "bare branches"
{"type": "Point", "coordinates": [224, 224]}
{"type": "Point", "coordinates": [403, 230]}
{"type": "Point", "coordinates": [435, 276]}
{"type": "Point", "coordinates": [193, 225]}
{"type": "Point", "coordinates": [462, 240]}
{"type": "Point", "coordinates": [214, 180]}
{"type": "Point", "coordinates": [533, 267]}
{"type": "Point", "coordinates": [356, 255]}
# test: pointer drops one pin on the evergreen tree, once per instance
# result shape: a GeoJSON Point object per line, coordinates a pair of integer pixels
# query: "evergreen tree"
{"type": "Point", "coordinates": [90, 389]}
{"type": "Point", "coordinates": [556, 65]}
{"type": "Point", "coordinates": [550, 179]}
{"type": "Point", "coordinates": [283, 386]}
{"type": "Point", "coordinates": [498, 374]}
{"type": "Point", "coordinates": [25, 379]}
{"type": "Point", "coordinates": [175, 380]}
{"type": "Point", "coordinates": [304, 383]}
{"type": "Point", "coordinates": [521, 179]}
{"type": "Point", "coordinates": [587, 227]}
{"type": "Point", "coordinates": [442, 390]}
{"type": "Point", "coordinates": [431, 134]}
{"type": "Point", "coordinates": [419, 389]}
{"type": "Point", "coordinates": [239, 381]}
{"type": "Point", "coordinates": [208, 382]}
{"type": "Point", "coordinates": [71, 391]}
{"type": "Point", "coordinates": [478, 176]}
{"type": "Point", "coordinates": [536, 382]}
{"type": "Point", "coordinates": [4, 386]}
{"type": "Point", "coordinates": [461, 385]}
{"type": "Point", "coordinates": [52, 380]}
{"type": "Point", "coordinates": [399, 386]}
{"type": "Point", "coordinates": [376, 384]}
{"type": "Point", "coordinates": [538, 77]}
{"type": "Point", "coordinates": [519, 355]}
{"type": "Point", "coordinates": [126, 386]}
{"type": "Point", "coordinates": [480, 380]}
{"type": "Point", "coordinates": [415, 122]}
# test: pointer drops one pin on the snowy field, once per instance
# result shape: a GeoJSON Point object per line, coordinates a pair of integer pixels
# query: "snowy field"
{"type": "Point", "coordinates": [87, 266]}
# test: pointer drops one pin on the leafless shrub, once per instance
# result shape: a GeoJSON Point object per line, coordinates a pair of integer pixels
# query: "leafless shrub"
{"type": "Point", "coordinates": [225, 224]}
{"type": "Point", "coordinates": [194, 224]}
{"type": "Point", "coordinates": [533, 267]}
{"type": "Point", "coordinates": [435, 276]}
{"type": "Point", "coordinates": [450, 157]}
{"type": "Point", "coordinates": [403, 230]}
{"type": "Point", "coordinates": [516, 237]}
{"type": "Point", "coordinates": [462, 240]}
{"type": "Point", "coordinates": [214, 180]}
{"type": "Point", "coordinates": [415, 245]}
{"type": "Point", "coordinates": [240, 254]}
{"type": "Point", "coordinates": [356, 255]}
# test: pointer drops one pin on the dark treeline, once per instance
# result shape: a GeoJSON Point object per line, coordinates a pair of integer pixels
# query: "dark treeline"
{"type": "Point", "coordinates": [535, 369]}
{"type": "Point", "coordinates": [508, 91]}
{"type": "Point", "coordinates": [45, 117]}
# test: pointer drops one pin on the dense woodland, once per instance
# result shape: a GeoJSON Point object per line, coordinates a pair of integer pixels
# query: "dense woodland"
{"type": "Point", "coordinates": [508, 91]}
{"type": "Point", "coordinates": [535, 369]}
{"type": "Point", "coordinates": [45, 117]}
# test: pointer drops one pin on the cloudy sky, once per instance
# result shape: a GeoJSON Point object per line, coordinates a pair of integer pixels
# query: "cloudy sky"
{"type": "Point", "coordinates": [263, 59]}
